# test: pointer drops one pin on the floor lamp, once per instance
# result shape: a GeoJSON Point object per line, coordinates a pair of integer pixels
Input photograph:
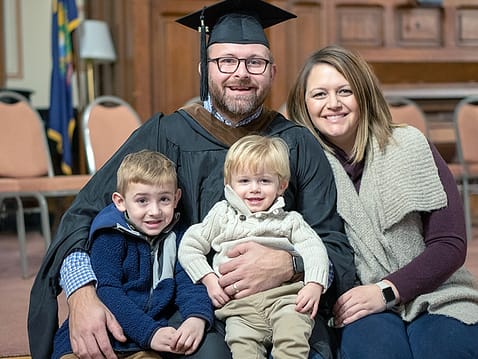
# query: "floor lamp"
{"type": "Point", "coordinates": [96, 46]}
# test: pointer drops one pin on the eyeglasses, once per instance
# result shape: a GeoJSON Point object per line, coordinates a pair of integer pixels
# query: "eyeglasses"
{"type": "Point", "coordinates": [229, 65]}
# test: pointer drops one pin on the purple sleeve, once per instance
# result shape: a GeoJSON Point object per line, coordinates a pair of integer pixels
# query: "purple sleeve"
{"type": "Point", "coordinates": [445, 241]}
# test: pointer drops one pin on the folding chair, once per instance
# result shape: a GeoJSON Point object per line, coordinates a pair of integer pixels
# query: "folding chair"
{"type": "Point", "coordinates": [107, 122]}
{"type": "Point", "coordinates": [465, 120]}
{"type": "Point", "coordinates": [26, 169]}
{"type": "Point", "coordinates": [407, 111]}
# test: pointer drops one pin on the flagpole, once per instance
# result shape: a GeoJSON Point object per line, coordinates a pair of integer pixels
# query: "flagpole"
{"type": "Point", "coordinates": [61, 115]}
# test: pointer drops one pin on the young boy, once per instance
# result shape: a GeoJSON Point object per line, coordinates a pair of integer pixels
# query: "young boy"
{"type": "Point", "coordinates": [256, 174]}
{"type": "Point", "coordinates": [133, 254]}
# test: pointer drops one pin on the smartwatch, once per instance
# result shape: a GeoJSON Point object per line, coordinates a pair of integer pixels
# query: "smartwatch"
{"type": "Point", "coordinates": [297, 264]}
{"type": "Point", "coordinates": [387, 294]}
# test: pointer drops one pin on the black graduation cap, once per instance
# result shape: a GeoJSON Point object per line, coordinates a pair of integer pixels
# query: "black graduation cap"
{"type": "Point", "coordinates": [233, 21]}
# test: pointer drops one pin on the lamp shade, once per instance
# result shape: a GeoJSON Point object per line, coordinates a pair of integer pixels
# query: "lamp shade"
{"type": "Point", "coordinates": [95, 41]}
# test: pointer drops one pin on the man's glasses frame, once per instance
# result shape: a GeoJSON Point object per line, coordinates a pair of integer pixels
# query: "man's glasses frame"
{"type": "Point", "coordinates": [230, 64]}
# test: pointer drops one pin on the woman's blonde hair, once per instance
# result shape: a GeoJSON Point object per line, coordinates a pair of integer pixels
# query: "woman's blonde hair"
{"type": "Point", "coordinates": [374, 115]}
{"type": "Point", "coordinates": [147, 167]}
{"type": "Point", "coordinates": [253, 153]}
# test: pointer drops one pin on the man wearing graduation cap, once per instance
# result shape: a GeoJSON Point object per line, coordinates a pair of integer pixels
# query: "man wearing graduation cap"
{"type": "Point", "coordinates": [237, 71]}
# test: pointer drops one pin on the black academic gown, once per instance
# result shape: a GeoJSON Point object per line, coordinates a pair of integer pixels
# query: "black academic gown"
{"type": "Point", "coordinates": [198, 147]}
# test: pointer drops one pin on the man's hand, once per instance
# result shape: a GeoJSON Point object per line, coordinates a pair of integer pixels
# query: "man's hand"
{"type": "Point", "coordinates": [254, 268]}
{"type": "Point", "coordinates": [89, 321]}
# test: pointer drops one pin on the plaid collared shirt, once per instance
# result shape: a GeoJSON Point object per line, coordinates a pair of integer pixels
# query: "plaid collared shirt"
{"type": "Point", "coordinates": [76, 272]}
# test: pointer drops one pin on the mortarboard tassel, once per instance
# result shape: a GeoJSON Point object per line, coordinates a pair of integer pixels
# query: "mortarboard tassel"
{"type": "Point", "coordinates": [204, 75]}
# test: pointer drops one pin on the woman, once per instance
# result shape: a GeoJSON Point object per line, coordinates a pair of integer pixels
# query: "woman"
{"type": "Point", "coordinates": [403, 216]}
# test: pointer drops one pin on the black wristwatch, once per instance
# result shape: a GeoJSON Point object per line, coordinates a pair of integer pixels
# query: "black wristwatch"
{"type": "Point", "coordinates": [297, 264]}
{"type": "Point", "coordinates": [387, 294]}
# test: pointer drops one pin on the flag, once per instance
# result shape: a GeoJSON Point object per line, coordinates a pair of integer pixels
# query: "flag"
{"type": "Point", "coordinates": [61, 120]}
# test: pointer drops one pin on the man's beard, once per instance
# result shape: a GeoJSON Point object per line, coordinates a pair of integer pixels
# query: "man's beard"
{"type": "Point", "coordinates": [235, 107]}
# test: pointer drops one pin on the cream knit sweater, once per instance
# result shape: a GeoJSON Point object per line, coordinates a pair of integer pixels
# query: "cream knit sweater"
{"type": "Point", "coordinates": [230, 222]}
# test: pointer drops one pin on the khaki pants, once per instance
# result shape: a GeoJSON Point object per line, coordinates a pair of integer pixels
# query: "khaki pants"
{"type": "Point", "coordinates": [266, 319]}
{"type": "Point", "coordinates": [146, 354]}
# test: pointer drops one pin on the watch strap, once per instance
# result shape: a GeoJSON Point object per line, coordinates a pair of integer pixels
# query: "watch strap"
{"type": "Point", "coordinates": [297, 264]}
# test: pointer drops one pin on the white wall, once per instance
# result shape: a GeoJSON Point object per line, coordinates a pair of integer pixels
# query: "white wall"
{"type": "Point", "coordinates": [35, 54]}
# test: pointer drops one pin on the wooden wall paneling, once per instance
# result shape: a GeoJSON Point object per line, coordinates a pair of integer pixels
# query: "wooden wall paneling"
{"type": "Point", "coordinates": [414, 73]}
{"type": "Point", "coordinates": [280, 51]}
{"type": "Point", "coordinates": [105, 71]}
{"type": "Point", "coordinates": [120, 78]}
{"type": "Point", "coordinates": [389, 31]}
{"type": "Point", "coordinates": [366, 17]}
{"type": "Point", "coordinates": [360, 26]}
{"type": "Point", "coordinates": [280, 40]}
{"type": "Point", "coordinates": [106, 11]}
{"type": "Point", "coordinates": [465, 18]}
{"type": "Point", "coordinates": [138, 70]}
{"type": "Point", "coordinates": [303, 35]}
{"type": "Point", "coordinates": [130, 76]}
{"type": "Point", "coordinates": [429, 34]}
{"type": "Point", "coordinates": [157, 67]}
{"type": "Point", "coordinates": [308, 32]}
{"type": "Point", "coordinates": [467, 27]}
{"type": "Point", "coordinates": [175, 56]}
{"type": "Point", "coordinates": [2, 48]}
{"type": "Point", "coordinates": [419, 27]}
{"type": "Point", "coordinates": [449, 25]}
{"type": "Point", "coordinates": [363, 25]}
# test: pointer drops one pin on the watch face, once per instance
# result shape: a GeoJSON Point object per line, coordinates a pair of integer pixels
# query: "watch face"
{"type": "Point", "coordinates": [388, 294]}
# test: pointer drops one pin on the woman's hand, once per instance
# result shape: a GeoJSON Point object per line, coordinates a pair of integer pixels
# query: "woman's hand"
{"type": "Point", "coordinates": [254, 268]}
{"type": "Point", "coordinates": [357, 303]}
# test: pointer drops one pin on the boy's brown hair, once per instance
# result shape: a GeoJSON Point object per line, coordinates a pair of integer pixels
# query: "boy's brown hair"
{"type": "Point", "coordinates": [145, 166]}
